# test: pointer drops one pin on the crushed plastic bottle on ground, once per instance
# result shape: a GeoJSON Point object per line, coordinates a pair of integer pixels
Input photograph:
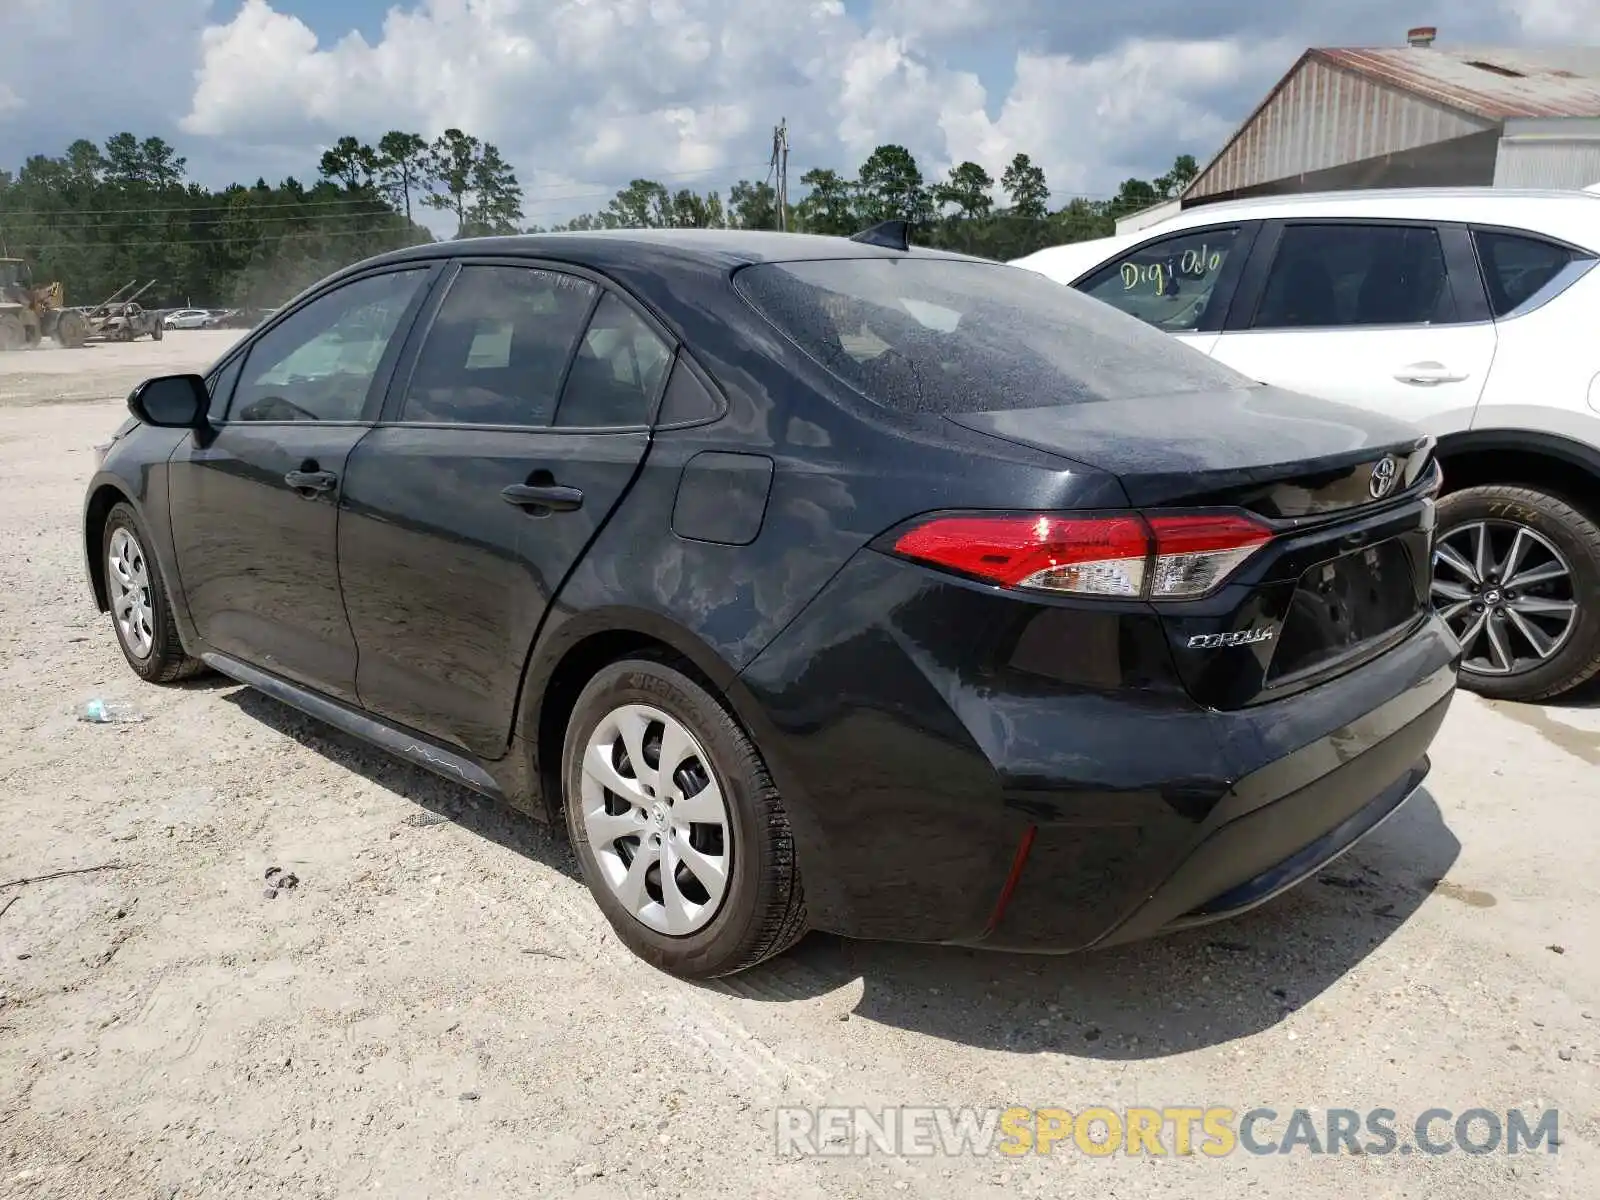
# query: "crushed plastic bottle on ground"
{"type": "Point", "coordinates": [109, 712]}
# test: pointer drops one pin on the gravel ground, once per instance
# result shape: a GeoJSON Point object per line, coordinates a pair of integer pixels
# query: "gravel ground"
{"type": "Point", "coordinates": [437, 1008]}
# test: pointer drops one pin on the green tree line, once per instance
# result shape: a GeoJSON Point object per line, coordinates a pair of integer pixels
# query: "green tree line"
{"type": "Point", "coordinates": [968, 210]}
{"type": "Point", "coordinates": [100, 216]}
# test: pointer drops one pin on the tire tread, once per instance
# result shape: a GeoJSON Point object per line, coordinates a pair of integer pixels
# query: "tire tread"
{"type": "Point", "coordinates": [1586, 532]}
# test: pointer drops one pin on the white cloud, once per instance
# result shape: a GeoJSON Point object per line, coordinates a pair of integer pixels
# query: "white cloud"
{"type": "Point", "coordinates": [92, 68]}
{"type": "Point", "coordinates": [1091, 123]}
{"type": "Point", "coordinates": [583, 89]}
{"type": "Point", "coordinates": [563, 88]}
{"type": "Point", "coordinates": [1558, 20]}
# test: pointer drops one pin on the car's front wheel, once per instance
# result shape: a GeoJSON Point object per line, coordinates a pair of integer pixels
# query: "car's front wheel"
{"type": "Point", "coordinates": [141, 610]}
{"type": "Point", "coordinates": [1516, 576]}
{"type": "Point", "coordinates": [680, 833]}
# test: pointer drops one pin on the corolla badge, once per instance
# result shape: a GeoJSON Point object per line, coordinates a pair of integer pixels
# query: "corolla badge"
{"type": "Point", "coordinates": [1385, 474]}
{"type": "Point", "coordinates": [1217, 641]}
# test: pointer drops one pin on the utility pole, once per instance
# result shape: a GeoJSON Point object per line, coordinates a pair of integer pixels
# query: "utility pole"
{"type": "Point", "coordinates": [780, 167]}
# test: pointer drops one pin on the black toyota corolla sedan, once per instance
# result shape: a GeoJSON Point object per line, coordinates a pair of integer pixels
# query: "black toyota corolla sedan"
{"type": "Point", "coordinates": [814, 583]}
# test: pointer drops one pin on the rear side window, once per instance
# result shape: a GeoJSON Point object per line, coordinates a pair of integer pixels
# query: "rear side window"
{"type": "Point", "coordinates": [1328, 276]}
{"type": "Point", "coordinates": [934, 335]}
{"type": "Point", "coordinates": [1169, 283]}
{"type": "Point", "coordinates": [618, 371]}
{"type": "Point", "coordinates": [1517, 268]}
{"type": "Point", "coordinates": [498, 349]}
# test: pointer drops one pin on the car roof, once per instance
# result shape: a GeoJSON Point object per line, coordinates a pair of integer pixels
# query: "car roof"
{"type": "Point", "coordinates": [601, 248]}
{"type": "Point", "coordinates": [1483, 204]}
{"type": "Point", "coordinates": [1068, 262]}
{"type": "Point", "coordinates": [1570, 216]}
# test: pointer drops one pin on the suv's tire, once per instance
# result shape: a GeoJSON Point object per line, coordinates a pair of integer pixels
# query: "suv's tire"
{"type": "Point", "coordinates": [1558, 569]}
{"type": "Point", "coordinates": [718, 806]}
{"type": "Point", "coordinates": [141, 608]}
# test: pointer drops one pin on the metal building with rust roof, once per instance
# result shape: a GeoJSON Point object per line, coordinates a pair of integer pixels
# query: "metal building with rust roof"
{"type": "Point", "coordinates": [1417, 115]}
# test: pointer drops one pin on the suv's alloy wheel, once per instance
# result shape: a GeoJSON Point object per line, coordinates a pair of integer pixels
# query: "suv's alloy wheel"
{"type": "Point", "coordinates": [1515, 576]}
{"type": "Point", "coordinates": [681, 835]}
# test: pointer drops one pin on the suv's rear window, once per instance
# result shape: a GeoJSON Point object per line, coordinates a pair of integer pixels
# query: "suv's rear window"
{"type": "Point", "coordinates": [939, 335]}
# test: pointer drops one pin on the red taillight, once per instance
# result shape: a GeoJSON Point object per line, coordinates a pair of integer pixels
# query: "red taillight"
{"type": "Point", "coordinates": [1194, 554]}
{"type": "Point", "coordinates": [1102, 555]}
{"type": "Point", "coordinates": [1161, 557]}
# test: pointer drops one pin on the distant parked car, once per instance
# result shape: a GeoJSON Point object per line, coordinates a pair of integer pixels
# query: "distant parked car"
{"type": "Point", "coordinates": [238, 318]}
{"type": "Point", "coordinates": [124, 322]}
{"type": "Point", "coordinates": [1469, 312]}
{"type": "Point", "coordinates": [187, 318]}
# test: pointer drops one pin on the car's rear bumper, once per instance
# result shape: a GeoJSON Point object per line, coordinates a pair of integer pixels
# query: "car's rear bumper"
{"type": "Point", "coordinates": [1238, 863]}
{"type": "Point", "coordinates": [937, 796]}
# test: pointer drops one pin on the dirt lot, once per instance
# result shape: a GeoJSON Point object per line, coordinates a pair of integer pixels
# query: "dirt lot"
{"type": "Point", "coordinates": [438, 1010]}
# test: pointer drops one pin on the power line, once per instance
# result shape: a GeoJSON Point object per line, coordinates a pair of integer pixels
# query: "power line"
{"type": "Point", "coordinates": [269, 240]}
{"type": "Point", "coordinates": [240, 218]}
{"type": "Point", "coordinates": [224, 205]}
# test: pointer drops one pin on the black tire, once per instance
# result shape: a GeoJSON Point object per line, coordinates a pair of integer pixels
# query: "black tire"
{"type": "Point", "coordinates": [1576, 535]}
{"type": "Point", "coordinates": [763, 911]}
{"type": "Point", "coordinates": [13, 333]}
{"type": "Point", "coordinates": [71, 329]}
{"type": "Point", "coordinates": [166, 661]}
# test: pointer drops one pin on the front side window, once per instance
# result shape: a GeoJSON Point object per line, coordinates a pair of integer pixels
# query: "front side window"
{"type": "Point", "coordinates": [944, 335]}
{"type": "Point", "coordinates": [1332, 276]}
{"type": "Point", "coordinates": [319, 363]}
{"type": "Point", "coordinates": [499, 347]}
{"type": "Point", "coordinates": [1168, 283]}
{"type": "Point", "coordinates": [221, 385]}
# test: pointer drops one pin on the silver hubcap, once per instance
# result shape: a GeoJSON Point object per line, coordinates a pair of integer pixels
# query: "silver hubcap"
{"type": "Point", "coordinates": [129, 576]}
{"type": "Point", "coordinates": [657, 820]}
{"type": "Point", "coordinates": [1507, 594]}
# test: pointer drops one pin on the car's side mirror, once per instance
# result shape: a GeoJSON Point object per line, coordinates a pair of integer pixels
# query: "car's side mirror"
{"type": "Point", "coordinates": [171, 402]}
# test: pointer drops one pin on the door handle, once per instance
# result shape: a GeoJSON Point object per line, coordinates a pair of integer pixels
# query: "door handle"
{"type": "Point", "coordinates": [551, 497]}
{"type": "Point", "coordinates": [1426, 374]}
{"type": "Point", "coordinates": [311, 481]}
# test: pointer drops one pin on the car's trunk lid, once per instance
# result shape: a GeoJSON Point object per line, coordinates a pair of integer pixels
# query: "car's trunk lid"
{"type": "Point", "coordinates": [1274, 452]}
{"type": "Point", "coordinates": [1345, 575]}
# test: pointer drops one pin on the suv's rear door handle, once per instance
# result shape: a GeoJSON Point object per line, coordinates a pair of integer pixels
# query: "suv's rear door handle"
{"type": "Point", "coordinates": [550, 496]}
{"type": "Point", "coordinates": [1427, 373]}
{"type": "Point", "coordinates": [311, 481]}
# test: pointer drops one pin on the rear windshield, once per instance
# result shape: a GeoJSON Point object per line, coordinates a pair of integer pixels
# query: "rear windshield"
{"type": "Point", "coordinates": [933, 335]}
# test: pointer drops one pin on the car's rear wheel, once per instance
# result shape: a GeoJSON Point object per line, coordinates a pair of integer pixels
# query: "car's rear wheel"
{"type": "Point", "coordinates": [141, 610]}
{"type": "Point", "coordinates": [1516, 576]}
{"type": "Point", "coordinates": [681, 835]}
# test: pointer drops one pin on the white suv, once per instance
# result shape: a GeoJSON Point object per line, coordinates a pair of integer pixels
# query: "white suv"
{"type": "Point", "coordinates": [1473, 313]}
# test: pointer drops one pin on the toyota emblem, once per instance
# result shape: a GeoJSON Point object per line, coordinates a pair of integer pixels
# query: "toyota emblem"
{"type": "Point", "coordinates": [1385, 474]}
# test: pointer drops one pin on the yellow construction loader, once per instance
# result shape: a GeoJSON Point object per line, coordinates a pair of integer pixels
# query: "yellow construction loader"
{"type": "Point", "coordinates": [28, 314]}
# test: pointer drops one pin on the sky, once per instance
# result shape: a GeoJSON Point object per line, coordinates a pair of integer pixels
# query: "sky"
{"type": "Point", "coordinates": [583, 95]}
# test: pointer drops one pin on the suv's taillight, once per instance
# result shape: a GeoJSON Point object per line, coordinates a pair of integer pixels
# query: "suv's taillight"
{"type": "Point", "coordinates": [1131, 555]}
